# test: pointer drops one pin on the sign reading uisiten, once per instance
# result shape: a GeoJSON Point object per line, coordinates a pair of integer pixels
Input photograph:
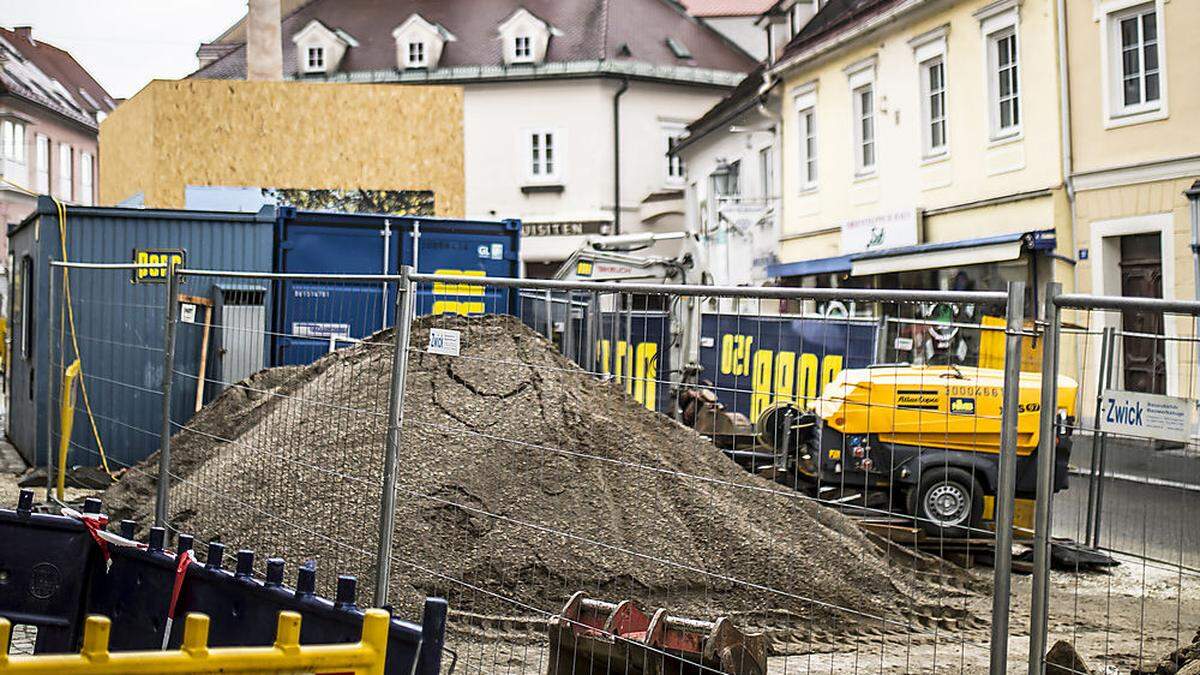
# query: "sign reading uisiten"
{"type": "Point", "coordinates": [566, 228]}
{"type": "Point", "coordinates": [886, 230]}
{"type": "Point", "coordinates": [1139, 415]}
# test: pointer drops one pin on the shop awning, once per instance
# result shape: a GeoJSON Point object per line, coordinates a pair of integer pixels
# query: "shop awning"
{"type": "Point", "coordinates": [998, 248]}
{"type": "Point", "coordinates": [802, 268]}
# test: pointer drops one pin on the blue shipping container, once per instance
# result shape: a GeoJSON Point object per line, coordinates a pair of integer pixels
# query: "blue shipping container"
{"type": "Point", "coordinates": [309, 313]}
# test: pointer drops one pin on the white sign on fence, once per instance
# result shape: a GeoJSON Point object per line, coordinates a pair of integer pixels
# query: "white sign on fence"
{"type": "Point", "coordinates": [187, 313]}
{"type": "Point", "coordinates": [444, 341]}
{"type": "Point", "coordinates": [1168, 418]}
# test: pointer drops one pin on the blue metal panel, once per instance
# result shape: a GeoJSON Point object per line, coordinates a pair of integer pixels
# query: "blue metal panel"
{"type": "Point", "coordinates": [312, 242]}
{"type": "Point", "coordinates": [120, 324]}
{"type": "Point", "coordinates": [752, 362]}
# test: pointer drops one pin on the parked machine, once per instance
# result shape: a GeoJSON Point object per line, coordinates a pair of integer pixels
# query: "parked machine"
{"type": "Point", "coordinates": [925, 436]}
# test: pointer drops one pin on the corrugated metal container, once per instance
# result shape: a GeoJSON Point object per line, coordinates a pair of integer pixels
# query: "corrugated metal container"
{"type": "Point", "coordinates": [318, 242]}
{"type": "Point", "coordinates": [119, 323]}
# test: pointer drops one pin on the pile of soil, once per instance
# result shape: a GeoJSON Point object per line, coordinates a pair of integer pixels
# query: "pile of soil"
{"type": "Point", "coordinates": [521, 480]}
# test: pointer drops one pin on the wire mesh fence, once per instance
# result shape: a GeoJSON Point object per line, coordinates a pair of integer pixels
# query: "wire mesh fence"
{"type": "Point", "coordinates": [1134, 490]}
{"type": "Point", "coordinates": [623, 477]}
{"type": "Point", "coordinates": [104, 356]}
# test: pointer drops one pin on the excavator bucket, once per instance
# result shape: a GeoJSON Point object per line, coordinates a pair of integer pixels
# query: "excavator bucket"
{"type": "Point", "coordinates": [594, 637]}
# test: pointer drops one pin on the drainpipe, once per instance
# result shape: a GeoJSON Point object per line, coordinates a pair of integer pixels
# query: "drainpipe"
{"type": "Point", "coordinates": [1193, 195]}
{"type": "Point", "coordinates": [1064, 115]}
{"type": "Point", "coordinates": [617, 155]}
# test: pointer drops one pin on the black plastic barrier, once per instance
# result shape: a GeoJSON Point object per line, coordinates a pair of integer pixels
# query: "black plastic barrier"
{"type": "Point", "coordinates": [52, 575]}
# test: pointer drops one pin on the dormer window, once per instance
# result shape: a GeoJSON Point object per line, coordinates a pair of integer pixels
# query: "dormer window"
{"type": "Point", "coordinates": [320, 49]}
{"type": "Point", "coordinates": [524, 38]}
{"type": "Point", "coordinates": [316, 60]}
{"type": "Point", "coordinates": [416, 55]}
{"type": "Point", "coordinates": [522, 50]}
{"type": "Point", "coordinates": [419, 43]}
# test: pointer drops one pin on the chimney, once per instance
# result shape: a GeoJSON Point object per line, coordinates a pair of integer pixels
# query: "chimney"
{"type": "Point", "coordinates": [25, 32]}
{"type": "Point", "coordinates": [264, 43]}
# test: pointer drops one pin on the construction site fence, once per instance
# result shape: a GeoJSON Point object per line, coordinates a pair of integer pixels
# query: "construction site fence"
{"type": "Point", "coordinates": [752, 348]}
{"type": "Point", "coordinates": [61, 568]}
{"type": "Point", "coordinates": [1134, 487]}
{"type": "Point", "coordinates": [285, 655]}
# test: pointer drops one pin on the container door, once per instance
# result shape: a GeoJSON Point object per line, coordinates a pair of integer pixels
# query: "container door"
{"type": "Point", "coordinates": [317, 316]}
{"type": "Point", "coordinates": [443, 251]}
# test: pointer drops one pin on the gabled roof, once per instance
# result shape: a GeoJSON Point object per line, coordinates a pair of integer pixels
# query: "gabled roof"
{"type": "Point", "coordinates": [596, 30]}
{"type": "Point", "coordinates": [834, 17]}
{"type": "Point", "coordinates": [50, 77]}
{"type": "Point", "coordinates": [743, 97]}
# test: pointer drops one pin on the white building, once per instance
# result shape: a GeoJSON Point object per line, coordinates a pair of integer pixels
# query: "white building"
{"type": "Point", "coordinates": [569, 106]}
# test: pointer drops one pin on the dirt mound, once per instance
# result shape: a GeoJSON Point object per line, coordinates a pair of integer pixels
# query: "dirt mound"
{"type": "Point", "coordinates": [521, 477]}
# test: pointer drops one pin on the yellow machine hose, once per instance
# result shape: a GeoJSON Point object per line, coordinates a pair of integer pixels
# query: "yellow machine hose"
{"type": "Point", "coordinates": [70, 311]}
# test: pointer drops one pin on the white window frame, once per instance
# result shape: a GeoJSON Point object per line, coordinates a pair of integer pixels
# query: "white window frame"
{"type": "Point", "coordinates": [422, 55]}
{"type": "Point", "coordinates": [86, 179]}
{"type": "Point", "coordinates": [12, 141]}
{"type": "Point", "coordinates": [1109, 15]}
{"type": "Point", "coordinates": [321, 52]}
{"type": "Point", "coordinates": [518, 56]}
{"type": "Point", "coordinates": [929, 50]}
{"type": "Point", "coordinates": [766, 172]}
{"type": "Point", "coordinates": [860, 79]}
{"type": "Point", "coordinates": [997, 21]}
{"type": "Point", "coordinates": [804, 106]}
{"type": "Point", "coordinates": [66, 168]}
{"type": "Point", "coordinates": [41, 149]}
{"type": "Point", "coordinates": [533, 156]}
{"type": "Point", "coordinates": [674, 169]}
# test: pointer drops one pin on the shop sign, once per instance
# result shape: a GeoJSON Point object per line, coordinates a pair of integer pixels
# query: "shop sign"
{"type": "Point", "coordinates": [883, 231]}
{"type": "Point", "coordinates": [1132, 413]}
{"type": "Point", "coordinates": [566, 228]}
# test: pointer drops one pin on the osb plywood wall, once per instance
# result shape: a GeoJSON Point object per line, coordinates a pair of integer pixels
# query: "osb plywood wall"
{"type": "Point", "coordinates": [292, 135]}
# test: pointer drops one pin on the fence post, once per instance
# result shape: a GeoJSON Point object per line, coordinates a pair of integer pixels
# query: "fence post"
{"type": "Point", "coordinates": [1045, 482]}
{"type": "Point", "coordinates": [1101, 451]}
{"type": "Point", "coordinates": [1006, 486]}
{"type": "Point", "coordinates": [164, 448]}
{"type": "Point", "coordinates": [1091, 535]}
{"type": "Point", "coordinates": [405, 305]}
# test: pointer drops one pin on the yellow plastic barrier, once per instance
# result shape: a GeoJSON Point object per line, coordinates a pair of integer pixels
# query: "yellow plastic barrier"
{"type": "Point", "coordinates": [285, 656]}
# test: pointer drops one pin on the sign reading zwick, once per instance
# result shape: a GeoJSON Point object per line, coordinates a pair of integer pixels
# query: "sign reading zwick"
{"type": "Point", "coordinates": [1147, 415]}
{"type": "Point", "coordinates": [444, 341]}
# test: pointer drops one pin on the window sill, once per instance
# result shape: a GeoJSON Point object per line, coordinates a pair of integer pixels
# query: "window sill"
{"type": "Point", "coordinates": [865, 176]}
{"type": "Point", "coordinates": [1008, 139]}
{"type": "Point", "coordinates": [542, 188]}
{"type": "Point", "coordinates": [1129, 119]}
{"type": "Point", "coordinates": [930, 160]}
{"type": "Point", "coordinates": [809, 190]}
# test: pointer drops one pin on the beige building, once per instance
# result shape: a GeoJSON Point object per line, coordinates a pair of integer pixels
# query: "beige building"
{"type": "Point", "coordinates": [1135, 151]}
{"type": "Point", "coordinates": [919, 152]}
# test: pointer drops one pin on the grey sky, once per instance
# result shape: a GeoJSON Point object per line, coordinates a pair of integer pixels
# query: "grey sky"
{"type": "Point", "coordinates": [126, 43]}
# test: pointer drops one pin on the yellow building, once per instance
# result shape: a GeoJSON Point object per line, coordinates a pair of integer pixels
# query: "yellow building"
{"type": "Point", "coordinates": [1135, 151]}
{"type": "Point", "coordinates": [922, 145]}
{"type": "Point", "coordinates": [381, 144]}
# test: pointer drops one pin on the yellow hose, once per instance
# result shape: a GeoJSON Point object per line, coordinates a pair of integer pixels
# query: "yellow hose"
{"type": "Point", "coordinates": [87, 404]}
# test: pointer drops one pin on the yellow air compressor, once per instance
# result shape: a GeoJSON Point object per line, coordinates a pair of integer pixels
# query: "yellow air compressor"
{"type": "Point", "coordinates": [926, 437]}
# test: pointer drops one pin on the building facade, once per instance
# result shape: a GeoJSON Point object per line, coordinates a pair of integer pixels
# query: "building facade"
{"type": "Point", "coordinates": [1134, 155]}
{"type": "Point", "coordinates": [918, 151]}
{"type": "Point", "coordinates": [50, 109]}
{"type": "Point", "coordinates": [569, 108]}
